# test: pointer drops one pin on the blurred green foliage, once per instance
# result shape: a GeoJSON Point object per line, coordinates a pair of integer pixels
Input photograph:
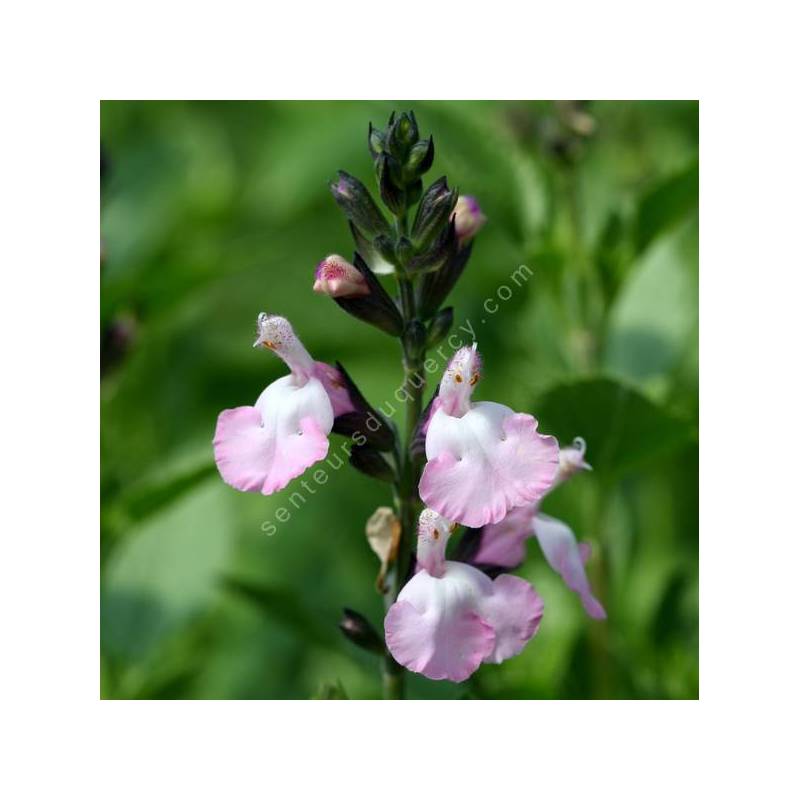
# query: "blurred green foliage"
{"type": "Point", "coordinates": [214, 211]}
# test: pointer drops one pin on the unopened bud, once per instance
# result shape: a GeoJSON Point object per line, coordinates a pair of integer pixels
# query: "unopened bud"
{"type": "Point", "coordinates": [440, 326]}
{"type": "Point", "coordinates": [437, 285]}
{"type": "Point", "coordinates": [420, 159]}
{"type": "Point", "coordinates": [337, 277]}
{"type": "Point", "coordinates": [403, 133]}
{"type": "Point", "coordinates": [435, 209]}
{"type": "Point", "coordinates": [369, 461]}
{"type": "Point", "coordinates": [414, 337]}
{"type": "Point", "coordinates": [468, 217]}
{"type": "Point", "coordinates": [391, 194]}
{"type": "Point", "coordinates": [444, 247]}
{"type": "Point", "coordinates": [374, 306]}
{"type": "Point", "coordinates": [376, 140]}
{"type": "Point", "coordinates": [358, 629]}
{"type": "Point", "coordinates": [355, 200]}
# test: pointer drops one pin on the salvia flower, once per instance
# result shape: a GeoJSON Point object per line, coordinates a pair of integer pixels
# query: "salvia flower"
{"type": "Point", "coordinates": [450, 617]}
{"type": "Point", "coordinates": [261, 448]}
{"type": "Point", "coordinates": [483, 459]}
{"type": "Point", "coordinates": [468, 217]}
{"type": "Point", "coordinates": [337, 277]}
{"type": "Point", "coordinates": [503, 544]}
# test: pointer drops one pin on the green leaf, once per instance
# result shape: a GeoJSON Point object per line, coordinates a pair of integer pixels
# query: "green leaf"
{"type": "Point", "coordinates": [147, 500]}
{"type": "Point", "coordinates": [623, 429]}
{"type": "Point", "coordinates": [165, 572]}
{"type": "Point", "coordinates": [666, 204]}
{"type": "Point", "coordinates": [653, 323]}
{"type": "Point", "coordinates": [283, 606]}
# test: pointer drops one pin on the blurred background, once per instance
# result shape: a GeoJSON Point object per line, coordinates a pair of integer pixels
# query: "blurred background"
{"type": "Point", "coordinates": [214, 211]}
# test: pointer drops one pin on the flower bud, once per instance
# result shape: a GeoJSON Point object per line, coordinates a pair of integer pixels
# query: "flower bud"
{"type": "Point", "coordinates": [414, 337]}
{"type": "Point", "coordinates": [372, 254]}
{"type": "Point", "coordinates": [358, 629]}
{"type": "Point", "coordinates": [440, 326]}
{"type": "Point", "coordinates": [391, 194]}
{"type": "Point", "coordinates": [420, 159]}
{"type": "Point", "coordinates": [402, 134]}
{"type": "Point", "coordinates": [413, 192]}
{"type": "Point", "coordinates": [376, 140]}
{"type": "Point", "coordinates": [355, 200]}
{"type": "Point", "coordinates": [374, 307]}
{"type": "Point", "coordinates": [363, 424]}
{"type": "Point", "coordinates": [384, 245]}
{"type": "Point", "coordinates": [444, 247]}
{"type": "Point", "coordinates": [468, 217]}
{"type": "Point", "coordinates": [369, 461]}
{"type": "Point", "coordinates": [337, 277]}
{"type": "Point", "coordinates": [435, 209]}
{"type": "Point", "coordinates": [437, 285]}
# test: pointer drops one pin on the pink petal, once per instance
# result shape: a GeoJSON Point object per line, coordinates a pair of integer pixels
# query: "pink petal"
{"type": "Point", "coordinates": [567, 558]}
{"type": "Point", "coordinates": [337, 277]}
{"type": "Point", "coordinates": [503, 543]}
{"type": "Point", "coordinates": [440, 652]}
{"type": "Point", "coordinates": [261, 448]}
{"type": "Point", "coordinates": [434, 627]}
{"type": "Point", "coordinates": [241, 448]}
{"type": "Point", "coordinates": [250, 459]}
{"type": "Point", "coordinates": [514, 610]}
{"type": "Point", "coordinates": [485, 463]}
{"type": "Point", "coordinates": [295, 453]}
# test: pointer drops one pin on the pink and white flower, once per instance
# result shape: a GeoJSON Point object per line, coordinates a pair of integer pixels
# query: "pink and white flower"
{"type": "Point", "coordinates": [260, 448]}
{"type": "Point", "coordinates": [503, 544]}
{"type": "Point", "coordinates": [483, 458]}
{"type": "Point", "coordinates": [337, 277]}
{"type": "Point", "coordinates": [468, 217]}
{"type": "Point", "coordinates": [450, 617]}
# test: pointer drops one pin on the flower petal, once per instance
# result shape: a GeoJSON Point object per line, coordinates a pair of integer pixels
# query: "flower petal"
{"type": "Point", "coordinates": [433, 627]}
{"type": "Point", "coordinates": [262, 448]}
{"type": "Point", "coordinates": [567, 558]}
{"type": "Point", "coordinates": [485, 463]}
{"type": "Point", "coordinates": [503, 544]}
{"type": "Point", "coordinates": [451, 653]}
{"type": "Point", "coordinates": [514, 610]}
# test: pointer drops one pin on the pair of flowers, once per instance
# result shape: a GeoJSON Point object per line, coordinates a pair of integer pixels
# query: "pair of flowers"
{"type": "Point", "coordinates": [488, 468]}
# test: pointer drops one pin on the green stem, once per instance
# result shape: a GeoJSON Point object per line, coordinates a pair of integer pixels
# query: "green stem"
{"type": "Point", "coordinates": [406, 498]}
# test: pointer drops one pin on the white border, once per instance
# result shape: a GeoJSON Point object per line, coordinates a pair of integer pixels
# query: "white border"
{"type": "Point", "coordinates": [60, 58]}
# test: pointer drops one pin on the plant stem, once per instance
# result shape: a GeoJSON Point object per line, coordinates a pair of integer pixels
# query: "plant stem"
{"type": "Point", "coordinates": [406, 499]}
